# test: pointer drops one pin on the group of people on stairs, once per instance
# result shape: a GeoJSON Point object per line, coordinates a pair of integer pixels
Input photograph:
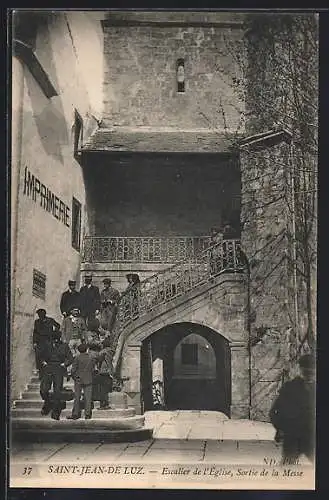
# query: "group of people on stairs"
{"type": "Point", "coordinates": [80, 348]}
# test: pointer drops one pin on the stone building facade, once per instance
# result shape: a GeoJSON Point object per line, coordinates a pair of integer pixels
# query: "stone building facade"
{"type": "Point", "coordinates": [56, 93]}
{"type": "Point", "coordinates": [278, 202]}
{"type": "Point", "coordinates": [163, 159]}
{"type": "Point", "coordinates": [166, 170]}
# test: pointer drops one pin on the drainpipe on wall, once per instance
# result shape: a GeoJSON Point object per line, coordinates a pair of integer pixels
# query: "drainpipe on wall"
{"type": "Point", "coordinates": [16, 155]}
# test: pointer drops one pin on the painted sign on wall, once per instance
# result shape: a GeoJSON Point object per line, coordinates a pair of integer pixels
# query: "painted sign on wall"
{"type": "Point", "coordinates": [41, 194]}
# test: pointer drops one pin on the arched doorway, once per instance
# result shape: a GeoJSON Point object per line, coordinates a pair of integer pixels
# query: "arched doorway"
{"type": "Point", "coordinates": [186, 366]}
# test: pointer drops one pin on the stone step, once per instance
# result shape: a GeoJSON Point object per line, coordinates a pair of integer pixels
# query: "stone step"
{"type": "Point", "coordinates": [33, 400]}
{"type": "Point", "coordinates": [35, 386]}
{"type": "Point", "coordinates": [37, 403]}
{"type": "Point", "coordinates": [31, 395]}
{"type": "Point", "coordinates": [35, 413]}
{"type": "Point", "coordinates": [35, 380]}
{"type": "Point", "coordinates": [33, 403]}
{"type": "Point", "coordinates": [71, 435]}
{"type": "Point", "coordinates": [99, 424]}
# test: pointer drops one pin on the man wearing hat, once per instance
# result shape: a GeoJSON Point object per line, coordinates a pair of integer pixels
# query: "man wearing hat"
{"type": "Point", "coordinates": [69, 299]}
{"type": "Point", "coordinates": [293, 414]}
{"type": "Point", "coordinates": [55, 357]}
{"type": "Point", "coordinates": [90, 300]}
{"type": "Point", "coordinates": [109, 305]}
{"type": "Point", "coordinates": [44, 326]}
{"type": "Point", "coordinates": [74, 329]}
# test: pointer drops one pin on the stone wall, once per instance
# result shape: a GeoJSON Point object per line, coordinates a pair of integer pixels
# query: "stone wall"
{"type": "Point", "coordinates": [281, 94]}
{"type": "Point", "coordinates": [140, 87]}
{"type": "Point", "coordinates": [264, 237]}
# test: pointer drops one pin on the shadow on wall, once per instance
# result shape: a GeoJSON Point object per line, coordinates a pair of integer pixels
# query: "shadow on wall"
{"type": "Point", "coordinates": [48, 114]}
{"type": "Point", "coordinates": [268, 363]}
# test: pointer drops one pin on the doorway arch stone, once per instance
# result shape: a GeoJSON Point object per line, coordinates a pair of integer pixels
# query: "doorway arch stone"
{"type": "Point", "coordinates": [239, 367]}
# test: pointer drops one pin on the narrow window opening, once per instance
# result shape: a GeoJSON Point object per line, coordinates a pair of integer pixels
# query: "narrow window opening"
{"type": "Point", "coordinates": [78, 134]}
{"type": "Point", "coordinates": [76, 224]}
{"type": "Point", "coordinates": [180, 75]}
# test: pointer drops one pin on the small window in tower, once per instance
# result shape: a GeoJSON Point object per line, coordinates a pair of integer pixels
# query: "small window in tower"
{"type": "Point", "coordinates": [76, 224]}
{"type": "Point", "coordinates": [78, 134]}
{"type": "Point", "coordinates": [189, 354]}
{"type": "Point", "coordinates": [180, 75]}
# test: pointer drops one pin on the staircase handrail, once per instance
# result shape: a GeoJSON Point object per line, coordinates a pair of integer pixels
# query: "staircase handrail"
{"type": "Point", "coordinates": [183, 276]}
{"type": "Point", "coordinates": [175, 281]}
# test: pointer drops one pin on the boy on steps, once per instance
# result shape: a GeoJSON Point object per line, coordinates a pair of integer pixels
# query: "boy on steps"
{"type": "Point", "coordinates": [83, 369]}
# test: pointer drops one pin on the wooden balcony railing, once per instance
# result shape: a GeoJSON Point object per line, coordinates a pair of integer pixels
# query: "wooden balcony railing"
{"type": "Point", "coordinates": [143, 249]}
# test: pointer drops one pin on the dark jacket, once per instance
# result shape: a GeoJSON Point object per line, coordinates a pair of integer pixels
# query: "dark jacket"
{"type": "Point", "coordinates": [109, 296]}
{"type": "Point", "coordinates": [105, 362]}
{"type": "Point", "coordinates": [56, 353]}
{"type": "Point", "coordinates": [83, 368]}
{"type": "Point", "coordinates": [293, 412]}
{"type": "Point", "coordinates": [90, 300]}
{"type": "Point", "coordinates": [73, 328]}
{"type": "Point", "coordinates": [43, 329]}
{"type": "Point", "coordinates": [69, 300]}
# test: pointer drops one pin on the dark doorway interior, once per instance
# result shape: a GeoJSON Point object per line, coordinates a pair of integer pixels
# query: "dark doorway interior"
{"type": "Point", "coordinates": [196, 368]}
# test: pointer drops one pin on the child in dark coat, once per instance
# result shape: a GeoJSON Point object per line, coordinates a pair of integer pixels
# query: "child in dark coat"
{"type": "Point", "coordinates": [83, 370]}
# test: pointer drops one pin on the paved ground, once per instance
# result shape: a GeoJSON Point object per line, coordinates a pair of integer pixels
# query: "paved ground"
{"type": "Point", "coordinates": [159, 450]}
{"type": "Point", "coordinates": [205, 425]}
{"type": "Point", "coordinates": [206, 449]}
{"type": "Point", "coordinates": [178, 436]}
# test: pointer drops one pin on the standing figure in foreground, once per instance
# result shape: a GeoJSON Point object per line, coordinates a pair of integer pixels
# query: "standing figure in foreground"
{"type": "Point", "coordinates": [55, 357]}
{"type": "Point", "coordinates": [90, 300]}
{"type": "Point", "coordinates": [83, 370]}
{"type": "Point", "coordinates": [44, 327]}
{"type": "Point", "coordinates": [293, 413]}
{"type": "Point", "coordinates": [109, 305]}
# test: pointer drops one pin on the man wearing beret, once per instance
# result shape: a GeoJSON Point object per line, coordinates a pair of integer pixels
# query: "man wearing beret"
{"type": "Point", "coordinates": [43, 329]}
{"type": "Point", "coordinates": [55, 358]}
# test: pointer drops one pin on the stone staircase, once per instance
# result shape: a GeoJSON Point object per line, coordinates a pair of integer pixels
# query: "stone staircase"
{"type": "Point", "coordinates": [154, 295]}
{"type": "Point", "coordinates": [120, 423]}
{"type": "Point", "coordinates": [163, 290]}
